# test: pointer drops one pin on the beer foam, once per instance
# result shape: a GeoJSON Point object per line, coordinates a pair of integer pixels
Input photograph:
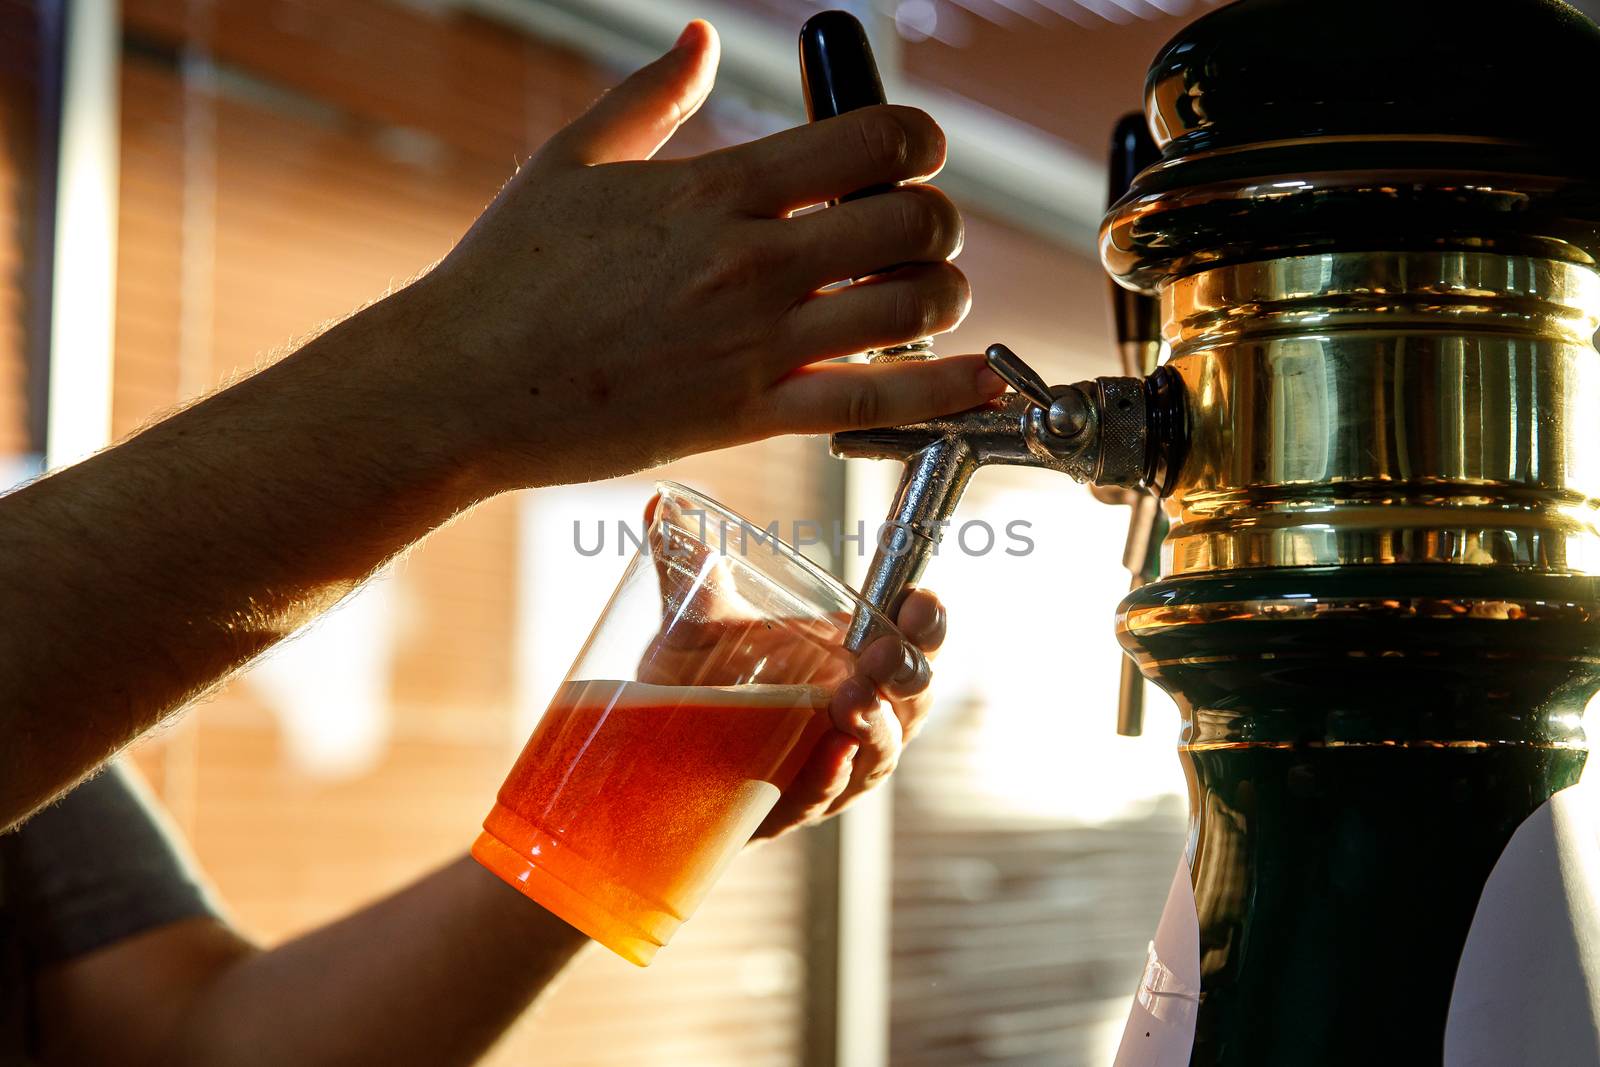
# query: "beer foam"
{"type": "Point", "coordinates": [591, 692]}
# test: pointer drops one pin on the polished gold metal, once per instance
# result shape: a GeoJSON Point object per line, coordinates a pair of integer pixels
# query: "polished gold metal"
{"type": "Point", "coordinates": [1354, 139]}
{"type": "Point", "coordinates": [1298, 746]}
{"type": "Point", "coordinates": [1388, 407]}
{"type": "Point", "coordinates": [1211, 729]}
{"type": "Point", "coordinates": [1298, 609]}
{"type": "Point", "coordinates": [1137, 238]}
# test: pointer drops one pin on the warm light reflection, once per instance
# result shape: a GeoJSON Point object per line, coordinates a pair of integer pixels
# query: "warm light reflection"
{"type": "Point", "coordinates": [560, 590]}
{"type": "Point", "coordinates": [79, 394]}
{"type": "Point", "coordinates": [1591, 724]}
{"type": "Point", "coordinates": [329, 685]}
{"type": "Point", "coordinates": [1031, 640]}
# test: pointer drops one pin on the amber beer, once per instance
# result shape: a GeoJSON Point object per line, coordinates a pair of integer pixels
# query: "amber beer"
{"type": "Point", "coordinates": [629, 799]}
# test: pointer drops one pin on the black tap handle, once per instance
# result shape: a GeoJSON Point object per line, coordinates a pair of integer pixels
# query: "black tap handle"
{"type": "Point", "coordinates": [1137, 317]}
{"type": "Point", "coordinates": [836, 66]}
{"type": "Point", "coordinates": [838, 74]}
{"type": "Point", "coordinates": [1132, 150]}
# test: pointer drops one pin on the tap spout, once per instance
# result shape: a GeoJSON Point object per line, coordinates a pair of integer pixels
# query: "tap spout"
{"type": "Point", "coordinates": [935, 476]}
{"type": "Point", "coordinates": [1109, 442]}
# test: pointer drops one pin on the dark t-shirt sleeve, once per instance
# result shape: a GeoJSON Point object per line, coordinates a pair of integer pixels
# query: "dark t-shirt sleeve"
{"type": "Point", "coordinates": [93, 869]}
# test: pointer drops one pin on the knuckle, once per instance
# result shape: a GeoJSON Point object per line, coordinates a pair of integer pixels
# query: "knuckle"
{"type": "Point", "coordinates": [864, 404]}
{"type": "Point", "coordinates": [921, 223]}
{"type": "Point", "coordinates": [925, 143]}
{"type": "Point", "coordinates": [821, 812]}
{"type": "Point", "coordinates": [731, 264]}
{"type": "Point", "coordinates": [911, 314]}
{"type": "Point", "coordinates": [716, 177]}
{"type": "Point", "coordinates": [878, 774]}
{"type": "Point", "coordinates": [887, 761]}
{"type": "Point", "coordinates": [949, 298]}
{"type": "Point", "coordinates": [885, 140]}
{"type": "Point", "coordinates": [951, 233]}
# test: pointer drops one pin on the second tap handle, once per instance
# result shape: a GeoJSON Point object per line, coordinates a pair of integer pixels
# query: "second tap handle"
{"type": "Point", "coordinates": [1130, 698]}
{"type": "Point", "coordinates": [1142, 556]}
{"type": "Point", "coordinates": [1136, 317]}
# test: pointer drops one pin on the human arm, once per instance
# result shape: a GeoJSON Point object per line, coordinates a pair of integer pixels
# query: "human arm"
{"type": "Point", "coordinates": [430, 975]}
{"type": "Point", "coordinates": [605, 314]}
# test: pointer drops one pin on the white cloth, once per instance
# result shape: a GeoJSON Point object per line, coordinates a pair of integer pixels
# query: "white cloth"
{"type": "Point", "coordinates": [1160, 1030]}
{"type": "Point", "coordinates": [1526, 989]}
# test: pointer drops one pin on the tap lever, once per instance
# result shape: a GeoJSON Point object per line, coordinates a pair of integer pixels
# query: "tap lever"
{"type": "Point", "coordinates": [1065, 409]}
{"type": "Point", "coordinates": [1017, 374]}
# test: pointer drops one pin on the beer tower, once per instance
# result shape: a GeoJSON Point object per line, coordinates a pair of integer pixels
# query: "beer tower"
{"type": "Point", "coordinates": [1373, 230]}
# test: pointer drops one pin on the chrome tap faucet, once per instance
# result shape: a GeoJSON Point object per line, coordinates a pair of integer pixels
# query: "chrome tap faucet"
{"type": "Point", "coordinates": [1113, 431]}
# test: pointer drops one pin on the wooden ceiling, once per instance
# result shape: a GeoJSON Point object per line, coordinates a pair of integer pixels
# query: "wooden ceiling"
{"type": "Point", "coordinates": [1066, 67]}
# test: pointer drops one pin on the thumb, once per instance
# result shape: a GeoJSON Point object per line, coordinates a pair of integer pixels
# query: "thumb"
{"type": "Point", "coordinates": [635, 119]}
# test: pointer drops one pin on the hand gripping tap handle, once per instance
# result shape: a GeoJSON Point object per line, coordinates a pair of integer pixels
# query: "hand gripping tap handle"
{"type": "Point", "coordinates": [1113, 431]}
{"type": "Point", "coordinates": [838, 74]}
{"type": "Point", "coordinates": [1137, 321]}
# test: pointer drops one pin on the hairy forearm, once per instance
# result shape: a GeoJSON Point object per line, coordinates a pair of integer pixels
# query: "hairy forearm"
{"type": "Point", "coordinates": [139, 578]}
{"type": "Point", "coordinates": [430, 976]}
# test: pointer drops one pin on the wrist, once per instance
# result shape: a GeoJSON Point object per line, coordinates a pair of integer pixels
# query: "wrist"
{"type": "Point", "coordinates": [410, 399]}
{"type": "Point", "coordinates": [487, 396]}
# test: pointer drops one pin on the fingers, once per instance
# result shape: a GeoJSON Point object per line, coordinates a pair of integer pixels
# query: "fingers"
{"type": "Point", "coordinates": [897, 669]}
{"type": "Point", "coordinates": [922, 619]}
{"type": "Point", "coordinates": [865, 743]}
{"type": "Point", "coordinates": [913, 224]}
{"type": "Point", "coordinates": [853, 396]}
{"type": "Point", "coordinates": [901, 671]}
{"type": "Point", "coordinates": [902, 675]}
{"type": "Point", "coordinates": [819, 784]}
{"type": "Point", "coordinates": [822, 161]}
{"type": "Point", "coordinates": [858, 712]}
{"type": "Point", "coordinates": [634, 120]}
{"type": "Point", "coordinates": [889, 309]}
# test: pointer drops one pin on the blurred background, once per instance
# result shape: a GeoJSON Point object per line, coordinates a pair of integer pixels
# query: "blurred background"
{"type": "Point", "coordinates": [194, 184]}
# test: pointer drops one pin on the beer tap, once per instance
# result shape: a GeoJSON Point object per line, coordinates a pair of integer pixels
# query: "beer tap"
{"type": "Point", "coordinates": [1125, 431]}
{"type": "Point", "coordinates": [1376, 245]}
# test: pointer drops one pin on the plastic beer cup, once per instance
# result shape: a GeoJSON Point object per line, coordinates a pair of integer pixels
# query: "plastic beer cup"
{"type": "Point", "coordinates": [700, 693]}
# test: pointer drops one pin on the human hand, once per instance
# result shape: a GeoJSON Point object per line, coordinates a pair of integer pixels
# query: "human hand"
{"type": "Point", "coordinates": [876, 705]}
{"type": "Point", "coordinates": [608, 313]}
{"type": "Point", "coordinates": [867, 738]}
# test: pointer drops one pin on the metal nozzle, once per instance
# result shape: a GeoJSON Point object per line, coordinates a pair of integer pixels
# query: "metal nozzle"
{"type": "Point", "coordinates": [1097, 431]}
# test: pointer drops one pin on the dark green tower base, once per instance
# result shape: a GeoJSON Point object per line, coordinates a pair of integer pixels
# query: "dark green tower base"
{"type": "Point", "coordinates": [1360, 744]}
